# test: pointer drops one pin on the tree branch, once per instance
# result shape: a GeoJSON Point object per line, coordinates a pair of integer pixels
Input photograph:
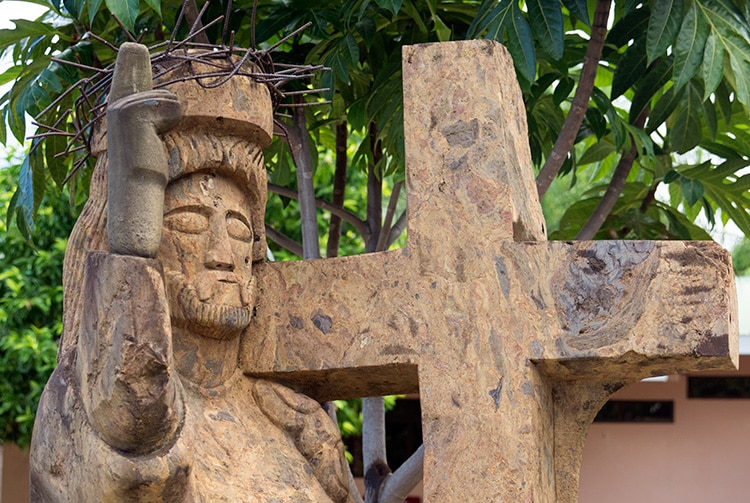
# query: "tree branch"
{"type": "Point", "coordinates": [347, 216]}
{"type": "Point", "coordinates": [374, 194]}
{"type": "Point", "coordinates": [299, 145]}
{"type": "Point", "coordinates": [397, 486]}
{"type": "Point", "coordinates": [580, 102]}
{"type": "Point", "coordinates": [285, 242]}
{"type": "Point", "coordinates": [397, 229]}
{"type": "Point", "coordinates": [373, 447]}
{"type": "Point", "coordinates": [385, 232]}
{"type": "Point", "coordinates": [339, 186]}
{"type": "Point", "coordinates": [619, 178]}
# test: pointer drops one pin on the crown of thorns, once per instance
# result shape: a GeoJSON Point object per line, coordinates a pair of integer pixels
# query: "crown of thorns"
{"type": "Point", "coordinates": [225, 59]}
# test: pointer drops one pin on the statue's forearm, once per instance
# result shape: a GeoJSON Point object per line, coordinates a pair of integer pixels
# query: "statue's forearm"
{"type": "Point", "coordinates": [136, 116]}
{"type": "Point", "coordinates": [130, 392]}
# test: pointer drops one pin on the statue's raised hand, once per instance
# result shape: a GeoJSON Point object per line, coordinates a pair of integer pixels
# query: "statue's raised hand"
{"type": "Point", "coordinates": [138, 173]}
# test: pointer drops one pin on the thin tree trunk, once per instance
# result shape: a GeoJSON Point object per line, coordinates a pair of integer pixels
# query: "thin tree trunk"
{"type": "Point", "coordinates": [385, 232]}
{"type": "Point", "coordinates": [300, 146]}
{"type": "Point", "coordinates": [619, 178]}
{"type": "Point", "coordinates": [397, 486]}
{"type": "Point", "coordinates": [339, 185]}
{"type": "Point", "coordinates": [374, 194]}
{"type": "Point", "coordinates": [373, 447]}
{"type": "Point", "coordinates": [580, 100]}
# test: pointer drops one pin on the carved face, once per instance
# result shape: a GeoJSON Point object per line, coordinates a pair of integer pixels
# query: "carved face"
{"type": "Point", "coordinates": [206, 252]}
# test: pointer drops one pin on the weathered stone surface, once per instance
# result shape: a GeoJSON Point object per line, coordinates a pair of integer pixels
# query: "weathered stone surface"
{"type": "Point", "coordinates": [513, 342]}
{"type": "Point", "coordinates": [513, 345]}
{"type": "Point", "coordinates": [148, 402]}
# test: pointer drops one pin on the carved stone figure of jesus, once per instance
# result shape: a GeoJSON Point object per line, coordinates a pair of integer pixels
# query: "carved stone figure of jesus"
{"type": "Point", "coordinates": [148, 402]}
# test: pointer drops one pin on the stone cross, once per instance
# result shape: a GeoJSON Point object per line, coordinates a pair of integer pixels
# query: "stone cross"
{"type": "Point", "coordinates": [513, 342]}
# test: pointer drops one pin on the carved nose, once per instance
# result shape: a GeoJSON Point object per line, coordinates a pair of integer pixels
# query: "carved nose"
{"type": "Point", "coordinates": [219, 254]}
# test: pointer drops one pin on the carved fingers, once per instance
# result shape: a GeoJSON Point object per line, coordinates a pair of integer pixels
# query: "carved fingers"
{"type": "Point", "coordinates": [138, 172]}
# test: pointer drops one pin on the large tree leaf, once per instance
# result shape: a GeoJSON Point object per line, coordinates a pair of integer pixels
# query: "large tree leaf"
{"type": "Point", "coordinates": [630, 68]}
{"type": "Point", "coordinates": [664, 108]}
{"type": "Point", "coordinates": [686, 129]}
{"type": "Point", "coordinates": [492, 19]}
{"type": "Point", "coordinates": [579, 9]}
{"type": "Point", "coordinates": [631, 27]}
{"type": "Point", "coordinates": [655, 79]}
{"type": "Point", "coordinates": [546, 22]}
{"type": "Point", "coordinates": [155, 5]}
{"type": "Point", "coordinates": [663, 25]}
{"type": "Point", "coordinates": [727, 190]}
{"type": "Point", "coordinates": [126, 11]}
{"type": "Point", "coordinates": [713, 64]}
{"type": "Point", "coordinates": [392, 5]}
{"type": "Point", "coordinates": [689, 46]}
{"type": "Point", "coordinates": [692, 190]}
{"type": "Point", "coordinates": [521, 44]}
{"type": "Point", "coordinates": [741, 70]}
{"type": "Point", "coordinates": [728, 26]}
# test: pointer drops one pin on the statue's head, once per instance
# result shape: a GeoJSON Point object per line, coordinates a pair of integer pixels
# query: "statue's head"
{"type": "Point", "coordinates": [214, 209]}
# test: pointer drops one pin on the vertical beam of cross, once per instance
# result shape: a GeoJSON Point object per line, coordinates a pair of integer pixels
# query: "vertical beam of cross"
{"type": "Point", "coordinates": [513, 342]}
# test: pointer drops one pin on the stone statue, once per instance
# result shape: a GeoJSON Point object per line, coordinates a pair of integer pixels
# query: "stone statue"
{"type": "Point", "coordinates": [148, 402]}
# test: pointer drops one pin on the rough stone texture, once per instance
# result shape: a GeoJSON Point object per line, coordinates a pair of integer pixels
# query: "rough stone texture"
{"type": "Point", "coordinates": [148, 403]}
{"type": "Point", "coordinates": [513, 345]}
{"type": "Point", "coordinates": [513, 342]}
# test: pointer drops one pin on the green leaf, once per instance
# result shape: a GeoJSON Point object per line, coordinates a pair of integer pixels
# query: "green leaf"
{"type": "Point", "coordinates": [579, 9]}
{"type": "Point", "coordinates": [597, 152]}
{"type": "Point", "coordinates": [692, 190]}
{"type": "Point", "coordinates": [689, 46]}
{"type": "Point", "coordinates": [713, 65]}
{"type": "Point", "coordinates": [493, 20]}
{"type": "Point", "coordinates": [631, 27]}
{"type": "Point", "coordinates": [563, 90]}
{"type": "Point", "coordinates": [686, 130]}
{"type": "Point", "coordinates": [741, 70]}
{"type": "Point", "coordinates": [74, 7]}
{"type": "Point", "coordinates": [596, 122]}
{"type": "Point", "coordinates": [392, 5]}
{"type": "Point", "coordinates": [654, 80]}
{"type": "Point", "coordinates": [57, 166]}
{"type": "Point", "coordinates": [521, 45]}
{"type": "Point", "coordinates": [630, 68]}
{"type": "Point", "coordinates": [367, 30]}
{"type": "Point", "coordinates": [10, 74]}
{"type": "Point", "coordinates": [671, 176]}
{"type": "Point", "coordinates": [546, 22]}
{"type": "Point", "coordinates": [664, 108]}
{"type": "Point", "coordinates": [709, 113]}
{"type": "Point", "coordinates": [350, 50]}
{"type": "Point", "coordinates": [604, 105]}
{"type": "Point", "coordinates": [663, 26]}
{"type": "Point", "coordinates": [155, 6]}
{"type": "Point", "coordinates": [126, 11]}
{"type": "Point", "coordinates": [94, 6]}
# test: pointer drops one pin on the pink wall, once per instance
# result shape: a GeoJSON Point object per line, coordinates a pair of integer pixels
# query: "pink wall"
{"type": "Point", "coordinates": [704, 455]}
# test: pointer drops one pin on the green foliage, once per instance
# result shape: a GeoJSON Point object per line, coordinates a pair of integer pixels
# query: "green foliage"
{"type": "Point", "coordinates": [741, 258]}
{"type": "Point", "coordinates": [30, 308]}
{"type": "Point", "coordinates": [685, 64]}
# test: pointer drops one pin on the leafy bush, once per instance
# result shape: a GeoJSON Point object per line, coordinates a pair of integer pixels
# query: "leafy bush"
{"type": "Point", "coordinates": [30, 307]}
{"type": "Point", "coordinates": [741, 258]}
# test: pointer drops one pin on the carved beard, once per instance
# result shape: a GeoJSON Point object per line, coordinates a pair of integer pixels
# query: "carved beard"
{"type": "Point", "coordinates": [211, 320]}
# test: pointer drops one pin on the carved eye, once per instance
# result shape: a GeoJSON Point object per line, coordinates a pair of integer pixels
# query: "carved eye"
{"type": "Point", "coordinates": [186, 220]}
{"type": "Point", "coordinates": [238, 229]}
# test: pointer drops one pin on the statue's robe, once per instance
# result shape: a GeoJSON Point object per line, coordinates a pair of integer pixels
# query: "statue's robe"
{"type": "Point", "coordinates": [244, 440]}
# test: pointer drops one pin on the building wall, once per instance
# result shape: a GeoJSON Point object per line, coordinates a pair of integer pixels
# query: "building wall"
{"type": "Point", "coordinates": [704, 455]}
{"type": "Point", "coordinates": [14, 486]}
